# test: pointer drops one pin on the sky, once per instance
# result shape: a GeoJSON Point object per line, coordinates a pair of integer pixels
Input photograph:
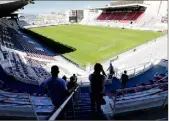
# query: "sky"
{"type": "Point", "coordinates": [60, 6]}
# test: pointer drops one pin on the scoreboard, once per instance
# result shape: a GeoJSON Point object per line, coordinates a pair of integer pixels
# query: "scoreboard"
{"type": "Point", "coordinates": [76, 15]}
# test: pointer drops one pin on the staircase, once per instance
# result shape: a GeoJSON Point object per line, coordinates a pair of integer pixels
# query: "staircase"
{"type": "Point", "coordinates": [82, 110]}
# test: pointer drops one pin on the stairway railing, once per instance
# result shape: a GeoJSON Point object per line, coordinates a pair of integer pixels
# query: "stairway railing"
{"type": "Point", "coordinates": [60, 109]}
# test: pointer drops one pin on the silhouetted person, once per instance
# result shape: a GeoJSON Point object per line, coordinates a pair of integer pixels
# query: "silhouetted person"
{"type": "Point", "coordinates": [56, 87]}
{"type": "Point", "coordinates": [72, 83]}
{"type": "Point", "coordinates": [124, 79]}
{"type": "Point", "coordinates": [111, 71]}
{"type": "Point", "coordinates": [65, 78]}
{"type": "Point", "coordinates": [97, 81]}
{"type": "Point", "coordinates": [75, 78]}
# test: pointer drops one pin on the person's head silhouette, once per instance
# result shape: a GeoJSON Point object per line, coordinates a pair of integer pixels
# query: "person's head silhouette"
{"type": "Point", "coordinates": [64, 77]}
{"type": "Point", "coordinates": [125, 72]}
{"type": "Point", "coordinates": [54, 71]}
{"type": "Point", "coordinates": [98, 68]}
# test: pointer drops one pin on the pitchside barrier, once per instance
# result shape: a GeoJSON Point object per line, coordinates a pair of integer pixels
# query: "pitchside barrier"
{"type": "Point", "coordinates": [132, 72]}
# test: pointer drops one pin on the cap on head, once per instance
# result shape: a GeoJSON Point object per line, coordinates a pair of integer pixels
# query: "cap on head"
{"type": "Point", "coordinates": [98, 67]}
{"type": "Point", "coordinates": [54, 70]}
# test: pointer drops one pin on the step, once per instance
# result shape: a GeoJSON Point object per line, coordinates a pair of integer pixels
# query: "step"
{"type": "Point", "coordinates": [43, 117]}
{"type": "Point", "coordinates": [87, 117]}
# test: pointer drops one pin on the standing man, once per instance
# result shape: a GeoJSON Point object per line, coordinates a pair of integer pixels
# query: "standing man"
{"type": "Point", "coordinates": [97, 80]}
{"type": "Point", "coordinates": [111, 71]}
{"type": "Point", "coordinates": [124, 79]}
{"type": "Point", "coordinates": [56, 87]}
{"type": "Point", "coordinates": [75, 78]}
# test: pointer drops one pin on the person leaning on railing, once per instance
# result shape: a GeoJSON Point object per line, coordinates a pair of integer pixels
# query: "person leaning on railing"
{"type": "Point", "coordinates": [72, 84]}
{"type": "Point", "coordinates": [56, 87]}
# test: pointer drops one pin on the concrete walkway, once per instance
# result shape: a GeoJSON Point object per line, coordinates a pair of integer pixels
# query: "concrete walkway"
{"type": "Point", "coordinates": [156, 49]}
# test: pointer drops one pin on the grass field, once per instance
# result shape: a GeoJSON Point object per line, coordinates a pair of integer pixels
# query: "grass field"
{"type": "Point", "coordinates": [96, 44]}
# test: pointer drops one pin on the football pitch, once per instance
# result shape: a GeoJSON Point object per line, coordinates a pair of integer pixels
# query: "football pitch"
{"type": "Point", "coordinates": [96, 44]}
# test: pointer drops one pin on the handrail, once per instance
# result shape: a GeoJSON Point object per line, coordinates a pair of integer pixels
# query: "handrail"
{"type": "Point", "coordinates": [33, 107]}
{"type": "Point", "coordinates": [139, 65]}
{"type": "Point", "coordinates": [55, 115]}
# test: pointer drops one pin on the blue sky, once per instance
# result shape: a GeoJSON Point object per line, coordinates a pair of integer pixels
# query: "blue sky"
{"type": "Point", "coordinates": [59, 6]}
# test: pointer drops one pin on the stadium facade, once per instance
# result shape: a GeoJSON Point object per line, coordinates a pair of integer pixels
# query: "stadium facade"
{"type": "Point", "coordinates": [130, 14]}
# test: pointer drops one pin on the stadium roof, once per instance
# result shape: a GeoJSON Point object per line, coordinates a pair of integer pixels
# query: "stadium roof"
{"type": "Point", "coordinates": [126, 2]}
{"type": "Point", "coordinates": [120, 6]}
{"type": "Point", "coordinates": [9, 7]}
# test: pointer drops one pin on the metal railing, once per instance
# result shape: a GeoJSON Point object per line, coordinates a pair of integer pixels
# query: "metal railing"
{"type": "Point", "coordinates": [60, 109]}
{"type": "Point", "coordinates": [132, 72]}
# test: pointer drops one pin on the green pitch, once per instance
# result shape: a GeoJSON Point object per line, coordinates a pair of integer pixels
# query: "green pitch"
{"type": "Point", "coordinates": [96, 44]}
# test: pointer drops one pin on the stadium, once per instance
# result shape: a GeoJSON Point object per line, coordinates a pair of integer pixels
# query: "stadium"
{"type": "Point", "coordinates": [131, 35]}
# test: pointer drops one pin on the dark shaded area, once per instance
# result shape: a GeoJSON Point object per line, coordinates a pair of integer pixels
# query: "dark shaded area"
{"type": "Point", "coordinates": [124, 8]}
{"type": "Point", "coordinates": [8, 8]}
{"type": "Point", "coordinates": [16, 118]}
{"type": "Point", "coordinates": [147, 114]}
{"type": "Point", "coordinates": [83, 110]}
{"type": "Point", "coordinates": [55, 46]}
